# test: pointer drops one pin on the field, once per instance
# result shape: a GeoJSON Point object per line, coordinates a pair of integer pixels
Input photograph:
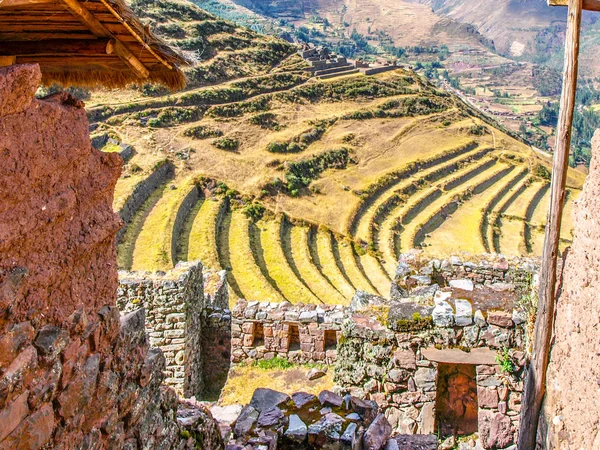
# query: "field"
{"type": "Point", "coordinates": [307, 190]}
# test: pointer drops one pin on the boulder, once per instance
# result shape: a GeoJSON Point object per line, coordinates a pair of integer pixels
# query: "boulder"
{"type": "Point", "coordinates": [328, 398]}
{"type": "Point", "coordinates": [377, 434]}
{"type": "Point", "coordinates": [302, 399]}
{"type": "Point", "coordinates": [270, 417]}
{"type": "Point", "coordinates": [246, 421]}
{"type": "Point", "coordinates": [265, 398]}
{"type": "Point", "coordinates": [314, 374]}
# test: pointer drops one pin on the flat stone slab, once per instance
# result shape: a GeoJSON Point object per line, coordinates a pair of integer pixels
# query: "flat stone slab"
{"type": "Point", "coordinates": [477, 356]}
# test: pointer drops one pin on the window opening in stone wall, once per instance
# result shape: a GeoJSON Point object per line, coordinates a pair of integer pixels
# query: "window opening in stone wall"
{"type": "Point", "coordinates": [259, 335]}
{"type": "Point", "coordinates": [330, 339]}
{"type": "Point", "coordinates": [294, 334]}
{"type": "Point", "coordinates": [456, 400]}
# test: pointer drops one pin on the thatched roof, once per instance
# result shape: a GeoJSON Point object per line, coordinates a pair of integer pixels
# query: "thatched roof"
{"type": "Point", "coordinates": [86, 43]}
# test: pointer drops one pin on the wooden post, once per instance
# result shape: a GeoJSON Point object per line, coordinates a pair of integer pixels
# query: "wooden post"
{"type": "Point", "coordinates": [535, 383]}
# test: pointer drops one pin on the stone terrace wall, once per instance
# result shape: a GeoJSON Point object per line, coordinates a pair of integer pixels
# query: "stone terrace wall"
{"type": "Point", "coordinates": [399, 370]}
{"type": "Point", "coordinates": [143, 190]}
{"type": "Point", "coordinates": [174, 302]}
{"type": "Point", "coordinates": [300, 333]}
{"type": "Point", "coordinates": [73, 374]}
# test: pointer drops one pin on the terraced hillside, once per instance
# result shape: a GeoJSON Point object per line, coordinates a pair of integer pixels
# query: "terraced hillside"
{"type": "Point", "coordinates": [306, 190]}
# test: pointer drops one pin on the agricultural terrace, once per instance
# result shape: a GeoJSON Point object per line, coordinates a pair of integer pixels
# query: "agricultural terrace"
{"type": "Point", "coordinates": [307, 190]}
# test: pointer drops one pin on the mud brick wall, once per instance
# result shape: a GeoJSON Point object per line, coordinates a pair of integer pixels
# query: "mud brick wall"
{"type": "Point", "coordinates": [73, 373]}
{"type": "Point", "coordinates": [300, 333]}
{"type": "Point", "coordinates": [174, 304]}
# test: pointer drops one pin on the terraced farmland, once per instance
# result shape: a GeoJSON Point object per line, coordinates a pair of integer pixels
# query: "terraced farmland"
{"type": "Point", "coordinates": [328, 182]}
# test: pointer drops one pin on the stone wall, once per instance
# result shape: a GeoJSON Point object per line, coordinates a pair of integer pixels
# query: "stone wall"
{"type": "Point", "coordinates": [401, 371]}
{"type": "Point", "coordinates": [73, 374]}
{"type": "Point", "coordinates": [161, 173]}
{"type": "Point", "coordinates": [571, 412]}
{"type": "Point", "coordinates": [174, 302]}
{"type": "Point", "coordinates": [300, 333]}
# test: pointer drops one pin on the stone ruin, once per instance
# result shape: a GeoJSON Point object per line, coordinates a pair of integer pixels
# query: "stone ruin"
{"type": "Point", "coordinates": [74, 373]}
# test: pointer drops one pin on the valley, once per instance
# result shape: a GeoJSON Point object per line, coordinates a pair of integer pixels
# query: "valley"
{"type": "Point", "coordinates": [307, 190]}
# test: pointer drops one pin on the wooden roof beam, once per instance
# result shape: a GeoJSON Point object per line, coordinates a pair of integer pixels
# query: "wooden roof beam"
{"type": "Point", "coordinates": [55, 47]}
{"type": "Point", "coordinates": [99, 30]}
{"type": "Point", "coordinates": [23, 3]}
{"type": "Point", "coordinates": [590, 5]}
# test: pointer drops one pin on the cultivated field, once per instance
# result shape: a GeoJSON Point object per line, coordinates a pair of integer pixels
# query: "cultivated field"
{"type": "Point", "coordinates": [309, 190]}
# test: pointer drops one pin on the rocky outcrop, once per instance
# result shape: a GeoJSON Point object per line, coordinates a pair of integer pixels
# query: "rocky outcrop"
{"type": "Point", "coordinates": [73, 373]}
{"type": "Point", "coordinates": [571, 415]}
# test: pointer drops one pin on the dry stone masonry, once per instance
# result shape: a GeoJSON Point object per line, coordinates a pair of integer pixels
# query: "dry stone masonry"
{"type": "Point", "coordinates": [191, 328]}
{"type": "Point", "coordinates": [300, 333]}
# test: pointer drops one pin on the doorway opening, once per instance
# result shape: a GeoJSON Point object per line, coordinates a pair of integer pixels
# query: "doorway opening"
{"type": "Point", "coordinates": [456, 400]}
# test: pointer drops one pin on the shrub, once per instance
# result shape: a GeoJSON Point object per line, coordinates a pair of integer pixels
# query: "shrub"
{"type": "Point", "coordinates": [265, 120]}
{"type": "Point", "coordinates": [539, 170]}
{"type": "Point", "coordinates": [226, 143]}
{"type": "Point", "coordinates": [254, 211]}
{"type": "Point", "coordinates": [202, 132]}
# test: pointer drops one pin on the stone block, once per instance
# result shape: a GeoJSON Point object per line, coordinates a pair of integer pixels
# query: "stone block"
{"type": "Point", "coordinates": [443, 315]}
{"type": "Point", "coordinates": [405, 359]}
{"type": "Point", "coordinates": [487, 397]}
{"type": "Point", "coordinates": [500, 318]}
{"type": "Point", "coordinates": [464, 312]}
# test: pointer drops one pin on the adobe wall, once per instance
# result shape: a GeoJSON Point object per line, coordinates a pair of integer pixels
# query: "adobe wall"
{"type": "Point", "coordinates": [73, 373]}
{"type": "Point", "coordinates": [571, 412]}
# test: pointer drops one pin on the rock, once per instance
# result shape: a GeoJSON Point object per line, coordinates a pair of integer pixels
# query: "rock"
{"type": "Point", "coordinates": [265, 398]}
{"type": "Point", "coordinates": [308, 316]}
{"type": "Point", "coordinates": [226, 414]}
{"type": "Point", "coordinates": [398, 375]}
{"type": "Point", "coordinates": [519, 316]}
{"type": "Point", "coordinates": [405, 359]}
{"type": "Point", "coordinates": [353, 417]}
{"type": "Point", "coordinates": [325, 432]}
{"type": "Point", "coordinates": [362, 300]}
{"type": "Point", "coordinates": [349, 436]}
{"type": "Point", "coordinates": [328, 398]}
{"type": "Point", "coordinates": [487, 397]}
{"type": "Point", "coordinates": [246, 420]}
{"type": "Point", "coordinates": [500, 433]}
{"type": "Point", "coordinates": [50, 341]}
{"type": "Point", "coordinates": [367, 409]}
{"type": "Point", "coordinates": [314, 374]}
{"type": "Point", "coordinates": [442, 296]}
{"type": "Point", "coordinates": [465, 285]}
{"type": "Point", "coordinates": [500, 319]}
{"type": "Point", "coordinates": [425, 378]}
{"type": "Point", "coordinates": [464, 312]}
{"type": "Point", "coordinates": [443, 315]}
{"type": "Point", "coordinates": [456, 261]}
{"type": "Point", "coordinates": [302, 399]}
{"type": "Point", "coordinates": [427, 418]}
{"type": "Point", "coordinates": [13, 414]}
{"type": "Point", "coordinates": [448, 443]}
{"type": "Point", "coordinates": [479, 318]}
{"type": "Point", "coordinates": [297, 429]}
{"type": "Point", "coordinates": [377, 434]}
{"type": "Point", "coordinates": [270, 417]}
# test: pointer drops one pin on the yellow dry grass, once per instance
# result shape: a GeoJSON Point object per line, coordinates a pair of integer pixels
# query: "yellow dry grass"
{"type": "Point", "coordinates": [152, 249]}
{"type": "Point", "coordinates": [247, 274]}
{"type": "Point", "coordinates": [124, 188]}
{"type": "Point", "coordinates": [276, 263]}
{"type": "Point", "coordinates": [244, 380]}
{"type": "Point", "coordinates": [308, 271]}
{"type": "Point", "coordinates": [330, 267]}
{"type": "Point", "coordinates": [202, 243]}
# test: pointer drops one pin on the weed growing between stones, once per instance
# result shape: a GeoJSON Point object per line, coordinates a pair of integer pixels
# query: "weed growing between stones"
{"type": "Point", "coordinates": [505, 361]}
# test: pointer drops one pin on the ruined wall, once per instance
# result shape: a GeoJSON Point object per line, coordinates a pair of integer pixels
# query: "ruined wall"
{"type": "Point", "coordinates": [404, 373]}
{"type": "Point", "coordinates": [73, 374]}
{"type": "Point", "coordinates": [192, 327]}
{"type": "Point", "coordinates": [300, 333]}
{"type": "Point", "coordinates": [571, 415]}
{"type": "Point", "coordinates": [174, 302]}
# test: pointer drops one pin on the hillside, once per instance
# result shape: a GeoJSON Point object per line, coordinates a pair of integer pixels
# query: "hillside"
{"type": "Point", "coordinates": [306, 190]}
